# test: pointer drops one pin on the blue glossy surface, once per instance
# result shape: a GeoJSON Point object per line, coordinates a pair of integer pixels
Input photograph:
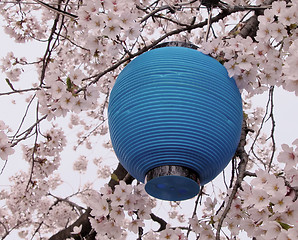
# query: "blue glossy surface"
{"type": "Point", "coordinates": [172, 188]}
{"type": "Point", "coordinates": [175, 106]}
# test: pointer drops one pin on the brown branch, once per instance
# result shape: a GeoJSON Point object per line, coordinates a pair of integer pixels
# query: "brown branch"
{"type": "Point", "coordinates": [24, 117]}
{"type": "Point", "coordinates": [269, 104]}
{"type": "Point", "coordinates": [82, 220]}
{"type": "Point", "coordinates": [195, 209]}
{"type": "Point", "coordinates": [56, 10]}
{"type": "Point", "coordinates": [241, 153]}
{"type": "Point", "coordinates": [27, 132]}
{"type": "Point", "coordinates": [118, 174]}
{"type": "Point", "coordinates": [250, 27]}
{"type": "Point", "coordinates": [171, 9]}
{"type": "Point", "coordinates": [152, 13]}
{"type": "Point", "coordinates": [48, 52]}
{"type": "Point", "coordinates": [159, 220]}
{"type": "Point", "coordinates": [271, 116]}
{"type": "Point", "coordinates": [19, 91]}
{"type": "Point", "coordinates": [33, 150]}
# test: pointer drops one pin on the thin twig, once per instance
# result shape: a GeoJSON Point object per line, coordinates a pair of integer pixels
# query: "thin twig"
{"type": "Point", "coordinates": [57, 10]}
{"type": "Point", "coordinates": [195, 209]}
{"type": "Point", "coordinates": [24, 117]}
{"type": "Point", "coordinates": [90, 133]}
{"type": "Point", "coordinates": [33, 150]}
{"type": "Point", "coordinates": [36, 3]}
{"type": "Point", "coordinates": [246, 7]}
{"type": "Point", "coordinates": [70, 203]}
{"type": "Point", "coordinates": [19, 91]}
{"type": "Point", "coordinates": [260, 129]}
{"type": "Point", "coordinates": [224, 179]}
{"type": "Point", "coordinates": [151, 14]}
{"type": "Point", "coordinates": [209, 23]}
{"type": "Point", "coordinates": [48, 52]}
{"type": "Point", "coordinates": [37, 229]}
{"type": "Point", "coordinates": [271, 115]}
{"type": "Point", "coordinates": [27, 132]}
{"type": "Point", "coordinates": [5, 163]}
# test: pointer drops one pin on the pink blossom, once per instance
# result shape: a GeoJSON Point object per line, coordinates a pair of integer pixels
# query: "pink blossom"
{"type": "Point", "coordinates": [288, 156]}
{"type": "Point", "coordinates": [135, 224]}
{"type": "Point", "coordinates": [77, 229]}
{"type": "Point", "coordinates": [5, 148]}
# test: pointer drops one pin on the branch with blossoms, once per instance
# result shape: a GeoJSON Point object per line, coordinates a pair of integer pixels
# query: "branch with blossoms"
{"type": "Point", "coordinates": [86, 219]}
{"type": "Point", "coordinates": [82, 59]}
{"type": "Point", "coordinates": [243, 156]}
{"type": "Point", "coordinates": [269, 115]}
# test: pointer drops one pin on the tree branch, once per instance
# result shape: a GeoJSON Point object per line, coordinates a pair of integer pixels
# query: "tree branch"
{"type": "Point", "coordinates": [57, 10]}
{"type": "Point", "coordinates": [82, 220]}
{"type": "Point", "coordinates": [241, 153]}
{"type": "Point", "coordinates": [162, 222]}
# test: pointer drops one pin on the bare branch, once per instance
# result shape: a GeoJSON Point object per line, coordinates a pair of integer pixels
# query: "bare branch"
{"type": "Point", "coordinates": [90, 133]}
{"type": "Point", "coordinates": [163, 223]}
{"type": "Point", "coordinates": [27, 132]}
{"type": "Point", "coordinates": [33, 151]}
{"type": "Point", "coordinates": [271, 116]}
{"type": "Point", "coordinates": [50, 46]}
{"type": "Point", "coordinates": [19, 91]}
{"type": "Point", "coordinates": [24, 117]}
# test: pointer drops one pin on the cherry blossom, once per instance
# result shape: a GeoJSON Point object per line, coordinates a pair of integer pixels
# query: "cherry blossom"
{"type": "Point", "coordinates": [86, 44]}
{"type": "Point", "coordinates": [77, 229]}
{"type": "Point", "coordinates": [5, 148]}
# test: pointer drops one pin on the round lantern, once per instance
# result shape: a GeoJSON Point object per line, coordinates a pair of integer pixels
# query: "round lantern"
{"type": "Point", "coordinates": [175, 120]}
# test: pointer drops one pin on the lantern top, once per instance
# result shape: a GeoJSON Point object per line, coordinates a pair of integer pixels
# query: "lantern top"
{"type": "Point", "coordinates": [176, 44]}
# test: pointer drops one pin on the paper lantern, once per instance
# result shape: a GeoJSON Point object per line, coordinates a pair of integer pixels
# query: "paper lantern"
{"type": "Point", "coordinates": [175, 120]}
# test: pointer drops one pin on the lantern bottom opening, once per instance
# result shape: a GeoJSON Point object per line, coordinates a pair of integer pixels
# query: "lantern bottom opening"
{"type": "Point", "coordinates": [172, 183]}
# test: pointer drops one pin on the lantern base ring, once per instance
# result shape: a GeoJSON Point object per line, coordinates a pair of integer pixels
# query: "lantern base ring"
{"type": "Point", "coordinates": [172, 183]}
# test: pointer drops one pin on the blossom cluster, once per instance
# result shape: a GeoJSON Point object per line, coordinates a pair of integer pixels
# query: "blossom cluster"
{"type": "Point", "coordinates": [8, 66]}
{"type": "Point", "coordinates": [108, 20]}
{"type": "Point", "coordinates": [127, 207]}
{"type": "Point", "coordinates": [5, 146]}
{"type": "Point", "coordinates": [266, 208]}
{"type": "Point", "coordinates": [76, 72]}
{"type": "Point", "coordinates": [62, 96]}
{"type": "Point", "coordinates": [270, 59]}
{"type": "Point", "coordinates": [27, 201]}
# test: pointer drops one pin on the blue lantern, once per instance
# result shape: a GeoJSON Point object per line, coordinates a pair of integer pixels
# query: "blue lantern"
{"type": "Point", "coordinates": [175, 120]}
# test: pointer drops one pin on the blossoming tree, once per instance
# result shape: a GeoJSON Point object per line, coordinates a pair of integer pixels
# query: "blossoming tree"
{"type": "Point", "coordinates": [86, 45]}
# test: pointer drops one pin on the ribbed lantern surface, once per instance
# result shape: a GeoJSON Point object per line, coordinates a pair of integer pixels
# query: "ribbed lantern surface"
{"type": "Point", "coordinates": [174, 106]}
